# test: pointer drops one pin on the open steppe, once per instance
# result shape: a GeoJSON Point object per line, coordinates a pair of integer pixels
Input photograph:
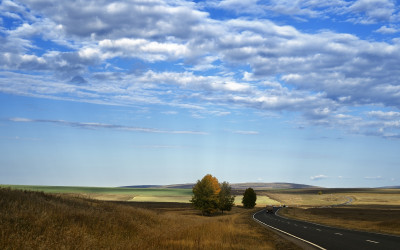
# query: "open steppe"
{"type": "Point", "coordinates": [90, 217]}
{"type": "Point", "coordinates": [371, 219]}
{"type": "Point", "coordinates": [37, 220]}
{"type": "Point", "coordinates": [334, 196]}
{"type": "Point", "coordinates": [181, 195]}
{"type": "Point", "coordinates": [114, 194]}
{"type": "Point", "coordinates": [374, 210]}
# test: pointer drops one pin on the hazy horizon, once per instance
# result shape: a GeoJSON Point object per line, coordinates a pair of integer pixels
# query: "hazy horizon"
{"type": "Point", "coordinates": [106, 93]}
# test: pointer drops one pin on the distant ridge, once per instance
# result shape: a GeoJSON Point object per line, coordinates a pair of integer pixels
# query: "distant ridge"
{"type": "Point", "coordinates": [144, 186]}
{"type": "Point", "coordinates": [188, 185]}
{"type": "Point", "coordinates": [390, 187]}
{"type": "Point", "coordinates": [254, 185]}
{"type": "Point", "coordinates": [273, 185]}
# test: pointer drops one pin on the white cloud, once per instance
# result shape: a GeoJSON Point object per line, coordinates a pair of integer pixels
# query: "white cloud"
{"type": "Point", "coordinates": [142, 48]}
{"type": "Point", "coordinates": [318, 177]}
{"type": "Point", "coordinates": [360, 11]}
{"type": "Point", "coordinates": [387, 30]}
{"type": "Point", "coordinates": [104, 19]}
{"type": "Point", "coordinates": [384, 115]}
{"type": "Point", "coordinates": [246, 132]}
{"type": "Point", "coordinates": [160, 146]}
{"type": "Point", "coordinates": [94, 125]}
{"type": "Point", "coordinates": [374, 10]}
{"type": "Point", "coordinates": [18, 119]}
{"type": "Point", "coordinates": [376, 178]}
{"type": "Point", "coordinates": [215, 65]}
{"type": "Point", "coordinates": [170, 112]}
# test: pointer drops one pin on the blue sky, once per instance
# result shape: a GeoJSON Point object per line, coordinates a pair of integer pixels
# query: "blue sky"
{"type": "Point", "coordinates": [106, 93]}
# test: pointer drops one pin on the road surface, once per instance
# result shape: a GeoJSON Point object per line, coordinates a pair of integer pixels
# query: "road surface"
{"type": "Point", "coordinates": [324, 237]}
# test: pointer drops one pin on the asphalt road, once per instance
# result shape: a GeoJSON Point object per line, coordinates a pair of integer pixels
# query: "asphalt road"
{"type": "Point", "coordinates": [324, 237]}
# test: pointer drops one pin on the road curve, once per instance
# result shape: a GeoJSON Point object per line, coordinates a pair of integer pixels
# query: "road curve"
{"type": "Point", "coordinates": [325, 237]}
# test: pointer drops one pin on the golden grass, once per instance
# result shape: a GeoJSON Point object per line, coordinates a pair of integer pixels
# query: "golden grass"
{"type": "Point", "coordinates": [370, 218]}
{"type": "Point", "coordinates": [390, 198]}
{"type": "Point", "coordinates": [311, 198]}
{"type": "Point", "coordinates": [298, 199]}
{"type": "Point", "coordinates": [375, 210]}
{"type": "Point", "coordinates": [34, 220]}
{"type": "Point", "coordinates": [182, 199]}
{"type": "Point", "coordinates": [262, 200]}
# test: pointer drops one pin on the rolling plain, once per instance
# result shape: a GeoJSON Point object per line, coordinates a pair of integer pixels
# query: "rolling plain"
{"type": "Point", "coordinates": [149, 218]}
{"type": "Point", "coordinates": [373, 210]}
{"type": "Point", "coordinates": [38, 220]}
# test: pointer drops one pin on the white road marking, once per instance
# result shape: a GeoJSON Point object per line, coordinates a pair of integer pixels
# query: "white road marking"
{"type": "Point", "coordinates": [319, 229]}
{"type": "Point", "coordinates": [338, 234]}
{"type": "Point", "coordinates": [291, 235]}
{"type": "Point", "coordinates": [372, 241]}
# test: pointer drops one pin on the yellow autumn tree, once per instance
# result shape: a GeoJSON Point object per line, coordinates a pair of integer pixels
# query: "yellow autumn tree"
{"type": "Point", "coordinates": [205, 194]}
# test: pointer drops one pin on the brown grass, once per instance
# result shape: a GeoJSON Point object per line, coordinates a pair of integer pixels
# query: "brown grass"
{"type": "Point", "coordinates": [333, 196]}
{"type": "Point", "coordinates": [34, 220]}
{"type": "Point", "coordinates": [365, 218]}
{"type": "Point", "coordinates": [306, 199]}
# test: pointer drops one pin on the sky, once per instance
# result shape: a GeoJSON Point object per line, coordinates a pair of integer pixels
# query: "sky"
{"type": "Point", "coordinates": [116, 93]}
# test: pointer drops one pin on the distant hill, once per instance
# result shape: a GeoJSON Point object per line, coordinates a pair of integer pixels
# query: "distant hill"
{"type": "Point", "coordinates": [144, 186]}
{"type": "Point", "coordinates": [188, 185]}
{"type": "Point", "coordinates": [274, 185]}
{"type": "Point", "coordinates": [254, 185]}
{"type": "Point", "coordinates": [390, 187]}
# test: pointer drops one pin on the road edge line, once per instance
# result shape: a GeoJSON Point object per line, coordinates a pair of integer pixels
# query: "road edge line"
{"type": "Point", "coordinates": [291, 235]}
{"type": "Point", "coordinates": [333, 227]}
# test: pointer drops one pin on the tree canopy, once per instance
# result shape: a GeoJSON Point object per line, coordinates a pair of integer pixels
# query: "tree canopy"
{"type": "Point", "coordinates": [205, 194]}
{"type": "Point", "coordinates": [225, 199]}
{"type": "Point", "coordinates": [209, 195]}
{"type": "Point", "coordinates": [249, 198]}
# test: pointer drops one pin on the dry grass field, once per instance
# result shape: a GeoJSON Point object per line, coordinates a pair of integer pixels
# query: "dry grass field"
{"type": "Point", "coordinates": [115, 193]}
{"type": "Point", "coordinates": [373, 219]}
{"type": "Point", "coordinates": [312, 198]}
{"type": "Point", "coordinates": [36, 220]}
{"type": "Point", "coordinates": [305, 198]}
{"type": "Point", "coordinates": [181, 195]}
{"type": "Point", "coordinates": [376, 210]}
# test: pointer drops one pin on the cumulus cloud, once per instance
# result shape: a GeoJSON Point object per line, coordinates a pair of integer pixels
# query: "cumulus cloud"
{"type": "Point", "coordinates": [384, 115]}
{"type": "Point", "coordinates": [209, 66]}
{"type": "Point", "coordinates": [141, 48]}
{"type": "Point", "coordinates": [359, 11]}
{"type": "Point", "coordinates": [374, 10]}
{"type": "Point", "coordinates": [387, 30]}
{"type": "Point", "coordinates": [78, 80]}
{"type": "Point", "coordinates": [104, 19]}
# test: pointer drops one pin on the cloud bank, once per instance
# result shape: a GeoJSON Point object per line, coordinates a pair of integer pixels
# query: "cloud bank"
{"type": "Point", "coordinates": [93, 125]}
{"type": "Point", "coordinates": [177, 54]}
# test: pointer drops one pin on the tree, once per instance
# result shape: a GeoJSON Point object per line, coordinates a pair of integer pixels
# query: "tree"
{"type": "Point", "coordinates": [249, 198]}
{"type": "Point", "coordinates": [205, 194]}
{"type": "Point", "coordinates": [225, 199]}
